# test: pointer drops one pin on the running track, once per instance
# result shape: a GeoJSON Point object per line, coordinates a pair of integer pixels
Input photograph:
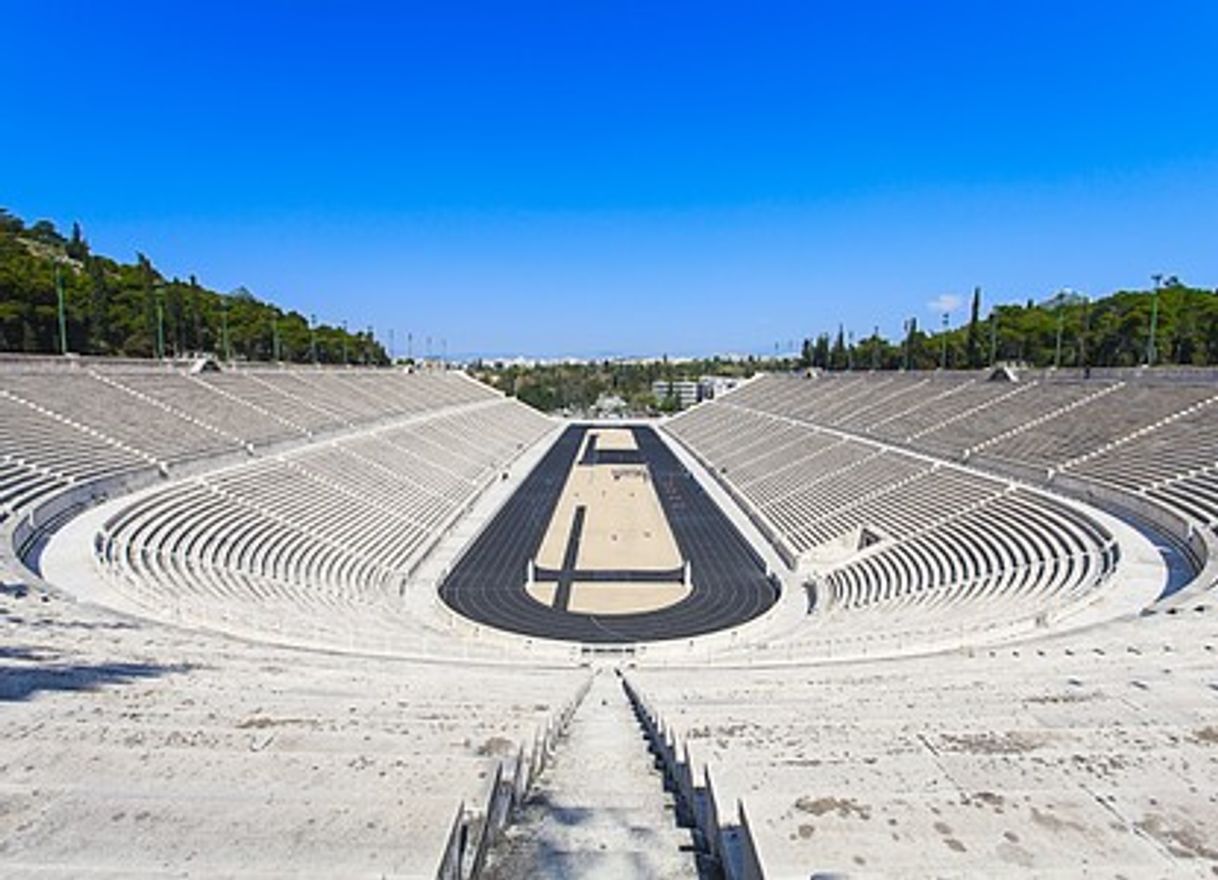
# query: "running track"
{"type": "Point", "coordinates": [729, 582]}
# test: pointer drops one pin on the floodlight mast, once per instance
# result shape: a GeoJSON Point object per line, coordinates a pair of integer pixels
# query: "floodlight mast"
{"type": "Point", "coordinates": [160, 324]}
{"type": "Point", "coordinates": [228, 356]}
{"type": "Point", "coordinates": [63, 321]}
{"type": "Point", "coordinates": [1151, 351]}
{"type": "Point", "coordinates": [1082, 339]}
{"type": "Point", "coordinates": [1057, 352]}
{"type": "Point", "coordinates": [943, 358]}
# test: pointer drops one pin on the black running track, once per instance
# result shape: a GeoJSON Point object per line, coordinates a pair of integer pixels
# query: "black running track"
{"type": "Point", "coordinates": [729, 581]}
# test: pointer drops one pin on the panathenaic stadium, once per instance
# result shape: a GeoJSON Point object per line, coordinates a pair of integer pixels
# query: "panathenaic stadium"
{"type": "Point", "coordinates": [356, 622]}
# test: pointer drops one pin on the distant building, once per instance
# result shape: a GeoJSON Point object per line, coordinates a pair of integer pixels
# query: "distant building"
{"type": "Point", "coordinates": [684, 390]}
{"type": "Point", "coordinates": [691, 391]}
{"type": "Point", "coordinates": [710, 387]}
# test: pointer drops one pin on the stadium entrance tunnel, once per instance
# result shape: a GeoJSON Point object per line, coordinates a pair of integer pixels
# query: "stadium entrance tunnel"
{"type": "Point", "coordinates": [610, 539]}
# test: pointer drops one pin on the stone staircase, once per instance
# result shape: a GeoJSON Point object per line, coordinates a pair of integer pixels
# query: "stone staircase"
{"type": "Point", "coordinates": [601, 809]}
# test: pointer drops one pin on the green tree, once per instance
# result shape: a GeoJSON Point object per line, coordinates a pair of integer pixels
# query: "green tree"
{"type": "Point", "coordinates": [974, 331]}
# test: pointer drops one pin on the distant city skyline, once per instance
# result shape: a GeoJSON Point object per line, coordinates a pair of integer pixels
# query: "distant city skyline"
{"type": "Point", "coordinates": [626, 181]}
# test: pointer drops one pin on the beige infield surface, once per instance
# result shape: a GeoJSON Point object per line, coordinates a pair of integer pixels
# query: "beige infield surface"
{"type": "Point", "coordinates": [624, 524]}
{"type": "Point", "coordinates": [624, 529]}
{"type": "Point", "coordinates": [608, 597]}
{"type": "Point", "coordinates": [542, 591]}
{"type": "Point", "coordinates": [614, 438]}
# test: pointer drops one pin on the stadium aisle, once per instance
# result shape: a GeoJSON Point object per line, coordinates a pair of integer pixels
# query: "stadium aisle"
{"type": "Point", "coordinates": [600, 809]}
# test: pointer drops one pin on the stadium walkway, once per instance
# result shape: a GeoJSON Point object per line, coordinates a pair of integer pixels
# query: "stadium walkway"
{"type": "Point", "coordinates": [600, 809]}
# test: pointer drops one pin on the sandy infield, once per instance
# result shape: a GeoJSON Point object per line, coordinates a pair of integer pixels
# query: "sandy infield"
{"type": "Point", "coordinates": [612, 438]}
{"type": "Point", "coordinates": [624, 598]}
{"type": "Point", "coordinates": [624, 524]}
{"type": "Point", "coordinates": [542, 591]}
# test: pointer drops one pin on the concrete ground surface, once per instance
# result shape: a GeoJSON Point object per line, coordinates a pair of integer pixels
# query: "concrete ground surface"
{"type": "Point", "coordinates": [1092, 753]}
{"type": "Point", "coordinates": [600, 810]}
{"type": "Point", "coordinates": [135, 750]}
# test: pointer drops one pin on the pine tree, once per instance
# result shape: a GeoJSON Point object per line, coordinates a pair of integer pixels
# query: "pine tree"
{"type": "Point", "coordinates": [974, 331]}
{"type": "Point", "coordinates": [76, 248]}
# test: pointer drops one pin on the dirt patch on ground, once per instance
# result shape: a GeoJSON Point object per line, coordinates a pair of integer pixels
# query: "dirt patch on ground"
{"type": "Point", "coordinates": [1207, 735]}
{"type": "Point", "coordinates": [1047, 820]}
{"type": "Point", "coordinates": [262, 722]}
{"type": "Point", "coordinates": [843, 807]}
{"type": "Point", "coordinates": [1010, 743]}
{"type": "Point", "coordinates": [497, 745]}
{"type": "Point", "coordinates": [1063, 698]}
{"type": "Point", "coordinates": [1183, 842]}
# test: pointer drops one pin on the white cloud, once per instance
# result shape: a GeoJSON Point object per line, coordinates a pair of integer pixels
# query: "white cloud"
{"type": "Point", "coordinates": [944, 302]}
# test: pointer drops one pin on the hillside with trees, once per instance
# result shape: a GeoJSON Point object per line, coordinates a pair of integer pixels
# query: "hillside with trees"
{"type": "Point", "coordinates": [1066, 330]}
{"type": "Point", "coordinates": [132, 310]}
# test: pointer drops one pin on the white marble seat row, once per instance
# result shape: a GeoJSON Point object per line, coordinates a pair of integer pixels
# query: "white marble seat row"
{"type": "Point", "coordinates": [336, 525]}
{"type": "Point", "coordinates": [74, 423]}
{"type": "Point", "coordinates": [927, 534]}
{"type": "Point", "coordinates": [1132, 430]}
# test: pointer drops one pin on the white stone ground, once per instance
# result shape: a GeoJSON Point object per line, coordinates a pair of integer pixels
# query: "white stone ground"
{"type": "Point", "coordinates": [1090, 753]}
{"type": "Point", "coordinates": [600, 809]}
{"type": "Point", "coordinates": [135, 750]}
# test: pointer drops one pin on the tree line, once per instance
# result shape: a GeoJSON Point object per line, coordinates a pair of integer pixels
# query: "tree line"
{"type": "Point", "coordinates": [1068, 330]}
{"type": "Point", "coordinates": [132, 310]}
{"type": "Point", "coordinates": [576, 386]}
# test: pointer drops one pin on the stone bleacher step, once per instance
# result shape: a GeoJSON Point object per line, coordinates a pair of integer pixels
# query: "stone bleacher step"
{"type": "Point", "coordinates": [1140, 432]}
{"type": "Point", "coordinates": [86, 429]}
{"type": "Point", "coordinates": [600, 809]}
{"type": "Point", "coordinates": [152, 401]}
{"type": "Point", "coordinates": [971, 411]}
{"type": "Point", "coordinates": [1046, 417]}
{"type": "Point", "coordinates": [928, 401]}
{"type": "Point", "coordinates": [225, 393]}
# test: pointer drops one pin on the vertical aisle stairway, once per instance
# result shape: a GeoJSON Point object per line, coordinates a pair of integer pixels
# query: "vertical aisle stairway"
{"type": "Point", "coordinates": [600, 809]}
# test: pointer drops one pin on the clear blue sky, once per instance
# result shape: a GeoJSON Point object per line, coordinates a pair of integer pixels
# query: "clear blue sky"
{"type": "Point", "coordinates": [618, 177]}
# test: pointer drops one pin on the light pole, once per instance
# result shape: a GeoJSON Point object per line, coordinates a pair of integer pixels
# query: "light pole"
{"type": "Point", "coordinates": [160, 323]}
{"type": "Point", "coordinates": [1151, 351]}
{"type": "Point", "coordinates": [909, 330]}
{"type": "Point", "coordinates": [993, 337]}
{"type": "Point", "coordinates": [1082, 339]}
{"type": "Point", "coordinates": [275, 338]}
{"type": "Point", "coordinates": [943, 357]}
{"type": "Point", "coordinates": [63, 320]}
{"type": "Point", "coordinates": [313, 337]}
{"type": "Point", "coordinates": [875, 348]}
{"type": "Point", "coordinates": [1057, 351]}
{"type": "Point", "coordinates": [344, 343]}
{"type": "Point", "coordinates": [228, 355]}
